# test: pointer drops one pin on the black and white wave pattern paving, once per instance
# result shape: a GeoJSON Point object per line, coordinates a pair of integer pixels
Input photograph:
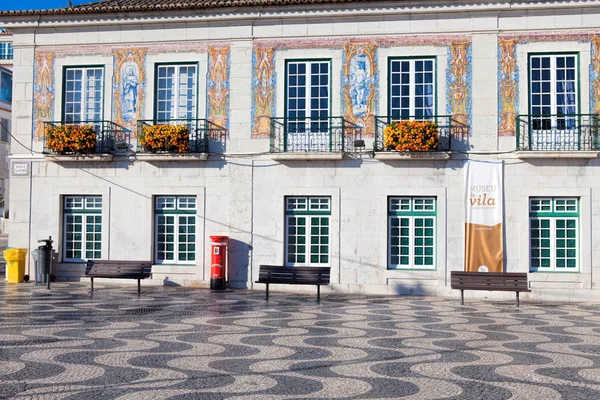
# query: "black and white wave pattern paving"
{"type": "Point", "coordinates": [183, 343]}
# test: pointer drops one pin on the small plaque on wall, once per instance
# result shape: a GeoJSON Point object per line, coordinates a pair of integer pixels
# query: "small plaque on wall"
{"type": "Point", "coordinates": [20, 168]}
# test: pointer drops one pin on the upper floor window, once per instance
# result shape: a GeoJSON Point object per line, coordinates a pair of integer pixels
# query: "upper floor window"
{"type": "Point", "coordinates": [411, 87]}
{"type": "Point", "coordinates": [176, 92]}
{"type": "Point", "coordinates": [5, 87]}
{"type": "Point", "coordinates": [308, 105]}
{"type": "Point", "coordinates": [553, 91]}
{"type": "Point", "coordinates": [83, 91]}
{"type": "Point", "coordinates": [6, 51]}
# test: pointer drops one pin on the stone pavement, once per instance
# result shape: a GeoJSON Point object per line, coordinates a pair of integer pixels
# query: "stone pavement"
{"type": "Point", "coordinates": [185, 343]}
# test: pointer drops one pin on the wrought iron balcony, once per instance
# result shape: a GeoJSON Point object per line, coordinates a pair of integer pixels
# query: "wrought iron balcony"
{"type": "Point", "coordinates": [315, 135]}
{"type": "Point", "coordinates": [443, 124]}
{"type": "Point", "coordinates": [177, 135]}
{"type": "Point", "coordinates": [85, 137]}
{"type": "Point", "coordinates": [558, 132]}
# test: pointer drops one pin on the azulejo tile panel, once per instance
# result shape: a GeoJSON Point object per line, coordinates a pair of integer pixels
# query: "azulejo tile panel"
{"type": "Point", "coordinates": [263, 89]}
{"type": "Point", "coordinates": [359, 78]}
{"type": "Point", "coordinates": [359, 85]}
{"type": "Point", "coordinates": [218, 85]}
{"type": "Point", "coordinates": [508, 72]}
{"type": "Point", "coordinates": [129, 86]}
{"type": "Point", "coordinates": [458, 90]}
{"type": "Point", "coordinates": [129, 82]}
{"type": "Point", "coordinates": [595, 76]}
{"type": "Point", "coordinates": [43, 92]}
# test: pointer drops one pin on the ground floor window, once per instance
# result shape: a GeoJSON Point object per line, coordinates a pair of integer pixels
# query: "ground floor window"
{"type": "Point", "coordinates": [411, 232]}
{"type": "Point", "coordinates": [554, 234]}
{"type": "Point", "coordinates": [175, 230]}
{"type": "Point", "coordinates": [82, 224]}
{"type": "Point", "coordinates": [307, 239]}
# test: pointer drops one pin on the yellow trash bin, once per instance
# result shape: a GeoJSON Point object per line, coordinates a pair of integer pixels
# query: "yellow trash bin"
{"type": "Point", "coordinates": [15, 264]}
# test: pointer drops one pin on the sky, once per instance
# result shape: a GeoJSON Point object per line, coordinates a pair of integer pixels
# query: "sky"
{"type": "Point", "coordinates": [37, 4]}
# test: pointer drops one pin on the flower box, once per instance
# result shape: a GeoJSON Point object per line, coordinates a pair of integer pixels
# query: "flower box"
{"type": "Point", "coordinates": [411, 136]}
{"type": "Point", "coordinates": [165, 138]}
{"type": "Point", "coordinates": [71, 139]}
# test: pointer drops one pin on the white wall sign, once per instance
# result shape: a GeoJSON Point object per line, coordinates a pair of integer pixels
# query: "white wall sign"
{"type": "Point", "coordinates": [20, 168]}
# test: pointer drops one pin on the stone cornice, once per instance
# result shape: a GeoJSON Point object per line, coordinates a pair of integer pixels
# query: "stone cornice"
{"type": "Point", "coordinates": [54, 18]}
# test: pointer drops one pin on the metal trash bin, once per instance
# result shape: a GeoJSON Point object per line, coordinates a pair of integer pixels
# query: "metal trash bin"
{"type": "Point", "coordinates": [45, 260]}
{"type": "Point", "coordinates": [38, 276]}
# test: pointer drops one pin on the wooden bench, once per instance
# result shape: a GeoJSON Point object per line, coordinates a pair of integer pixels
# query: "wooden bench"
{"type": "Point", "coordinates": [118, 269]}
{"type": "Point", "coordinates": [294, 276]}
{"type": "Point", "coordinates": [508, 282]}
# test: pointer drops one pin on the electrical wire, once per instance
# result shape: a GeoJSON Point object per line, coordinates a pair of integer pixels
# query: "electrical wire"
{"type": "Point", "coordinates": [17, 140]}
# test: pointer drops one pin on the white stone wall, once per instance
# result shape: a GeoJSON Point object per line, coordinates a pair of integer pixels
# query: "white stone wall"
{"type": "Point", "coordinates": [241, 194]}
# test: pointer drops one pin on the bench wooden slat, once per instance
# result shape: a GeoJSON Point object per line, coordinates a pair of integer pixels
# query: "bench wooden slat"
{"type": "Point", "coordinates": [294, 276]}
{"type": "Point", "coordinates": [508, 282]}
{"type": "Point", "coordinates": [120, 269]}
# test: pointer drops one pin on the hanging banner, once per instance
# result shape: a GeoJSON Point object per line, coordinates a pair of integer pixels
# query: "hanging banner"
{"type": "Point", "coordinates": [484, 216]}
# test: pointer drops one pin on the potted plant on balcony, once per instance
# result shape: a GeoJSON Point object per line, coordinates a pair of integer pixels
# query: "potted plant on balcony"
{"type": "Point", "coordinates": [71, 139]}
{"type": "Point", "coordinates": [411, 136]}
{"type": "Point", "coordinates": [165, 138]}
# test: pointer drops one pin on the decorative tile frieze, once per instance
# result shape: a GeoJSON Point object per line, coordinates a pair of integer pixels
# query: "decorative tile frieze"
{"type": "Point", "coordinates": [359, 75]}
{"type": "Point", "coordinates": [130, 79]}
{"type": "Point", "coordinates": [508, 71]}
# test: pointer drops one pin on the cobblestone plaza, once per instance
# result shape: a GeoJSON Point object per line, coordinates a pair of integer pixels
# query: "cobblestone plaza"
{"type": "Point", "coordinates": [185, 343]}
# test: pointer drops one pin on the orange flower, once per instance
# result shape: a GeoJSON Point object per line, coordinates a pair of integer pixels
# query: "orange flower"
{"type": "Point", "coordinates": [71, 138]}
{"type": "Point", "coordinates": [411, 136]}
{"type": "Point", "coordinates": [164, 137]}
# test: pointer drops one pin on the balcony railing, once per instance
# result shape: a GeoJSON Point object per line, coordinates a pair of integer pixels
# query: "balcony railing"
{"type": "Point", "coordinates": [85, 137]}
{"type": "Point", "coordinates": [444, 126]}
{"type": "Point", "coordinates": [193, 138]}
{"type": "Point", "coordinates": [313, 135]}
{"type": "Point", "coordinates": [558, 132]}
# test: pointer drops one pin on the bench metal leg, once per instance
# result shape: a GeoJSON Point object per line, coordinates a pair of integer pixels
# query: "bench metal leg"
{"type": "Point", "coordinates": [517, 299]}
{"type": "Point", "coordinates": [318, 293]}
{"type": "Point", "coordinates": [92, 281]}
{"type": "Point", "coordinates": [139, 286]}
{"type": "Point", "coordinates": [267, 291]}
{"type": "Point", "coordinates": [462, 297]}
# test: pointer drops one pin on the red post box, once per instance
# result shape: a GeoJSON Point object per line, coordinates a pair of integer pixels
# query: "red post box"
{"type": "Point", "coordinates": [218, 262]}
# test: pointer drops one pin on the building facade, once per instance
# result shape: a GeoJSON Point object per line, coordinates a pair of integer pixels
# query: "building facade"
{"type": "Point", "coordinates": [6, 63]}
{"type": "Point", "coordinates": [145, 129]}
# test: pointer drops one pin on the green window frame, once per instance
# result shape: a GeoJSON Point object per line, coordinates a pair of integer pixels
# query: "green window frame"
{"type": "Point", "coordinates": [176, 91]}
{"type": "Point", "coordinates": [308, 104]}
{"type": "Point", "coordinates": [83, 94]}
{"type": "Point", "coordinates": [82, 227]}
{"type": "Point", "coordinates": [308, 231]}
{"type": "Point", "coordinates": [554, 234]}
{"type": "Point", "coordinates": [412, 87]}
{"type": "Point", "coordinates": [412, 232]}
{"type": "Point", "coordinates": [175, 229]}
